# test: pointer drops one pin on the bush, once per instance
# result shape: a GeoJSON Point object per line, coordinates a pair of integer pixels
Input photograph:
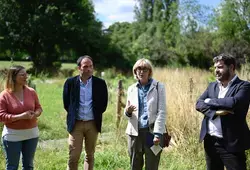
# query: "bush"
{"type": "Point", "coordinates": [67, 72]}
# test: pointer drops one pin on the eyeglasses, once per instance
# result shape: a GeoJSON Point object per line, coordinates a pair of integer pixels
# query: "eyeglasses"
{"type": "Point", "coordinates": [22, 74]}
{"type": "Point", "coordinates": [143, 69]}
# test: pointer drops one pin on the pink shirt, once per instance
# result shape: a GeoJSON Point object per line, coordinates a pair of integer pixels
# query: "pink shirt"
{"type": "Point", "coordinates": [10, 105]}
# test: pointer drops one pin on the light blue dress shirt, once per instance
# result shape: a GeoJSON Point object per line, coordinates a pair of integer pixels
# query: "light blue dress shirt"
{"type": "Point", "coordinates": [142, 96]}
{"type": "Point", "coordinates": [86, 102]}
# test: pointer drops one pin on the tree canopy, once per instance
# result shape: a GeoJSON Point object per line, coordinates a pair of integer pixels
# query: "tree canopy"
{"type": "Point", "coordinates": [51, 30]}
{"type": "Point", "coordinates": [168, 32]}
{"type": "Point", "coordinates": [185, 33]}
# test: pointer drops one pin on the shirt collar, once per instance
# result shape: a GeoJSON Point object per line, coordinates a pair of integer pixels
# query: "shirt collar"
{"type": "Point", "coordinates": [88, 81]}
{"type": "Point", "coordinates": [230, 82]}
{"type": "Point", "coordinates": [138, 84]}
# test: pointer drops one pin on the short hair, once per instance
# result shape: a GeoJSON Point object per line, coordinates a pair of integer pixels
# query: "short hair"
{"type": "Point", "coordinates": [143, 62]}
{"type": "Point", "coordinates": [11, 77]}
{"type": "Point", "coordinates": [79, 60]}
{"type": "Point", "coordinates": [227, 58]}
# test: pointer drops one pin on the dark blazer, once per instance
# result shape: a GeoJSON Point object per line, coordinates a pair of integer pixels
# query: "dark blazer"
{"type": "Point", "coordinates": [236, 135]}
{"type": "Point", "coordinates": [71, 98]}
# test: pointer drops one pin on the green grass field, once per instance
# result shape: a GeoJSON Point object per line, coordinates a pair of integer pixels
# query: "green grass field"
{"type": "Point", "coordinates": [185, 153]}
{"type": "Point", "coordinates": [28, 64]}
{"type": "Point", "coordinates": [111, 151]}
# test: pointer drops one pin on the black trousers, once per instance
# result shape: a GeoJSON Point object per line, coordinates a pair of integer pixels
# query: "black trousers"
{"type": "Point", "coordinates": [217, 156]}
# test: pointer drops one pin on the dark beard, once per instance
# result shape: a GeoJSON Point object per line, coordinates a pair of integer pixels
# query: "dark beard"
{"type": "Point", "coordinates": [225, 76]}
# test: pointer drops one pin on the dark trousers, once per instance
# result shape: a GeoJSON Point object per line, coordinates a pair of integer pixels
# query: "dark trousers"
{"type": "Point", "coordinates": [137, 147]}
{"type": "Point", "coordinates": [217, 156]}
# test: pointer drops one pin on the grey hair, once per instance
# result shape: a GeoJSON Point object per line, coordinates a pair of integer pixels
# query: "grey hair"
{"type": "Point", "coordinates": [143, 62]}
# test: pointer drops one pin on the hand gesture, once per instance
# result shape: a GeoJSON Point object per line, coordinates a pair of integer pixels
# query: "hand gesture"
{"type": "Point", "coordinates": [130, 108]}
{"type": "Point", "coordinates": [27, 115]}
{"type": "Point", "coordinates": [156, 140]}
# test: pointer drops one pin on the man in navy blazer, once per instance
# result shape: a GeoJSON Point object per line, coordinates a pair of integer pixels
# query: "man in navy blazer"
{"type": "Point", "coordinates": [224, 128]}
{"type": "Point", "coordinates": [85, 99]}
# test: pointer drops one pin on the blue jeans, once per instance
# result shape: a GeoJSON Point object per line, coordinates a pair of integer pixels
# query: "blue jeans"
{"type": "Point", "coordinates": [13, 151]}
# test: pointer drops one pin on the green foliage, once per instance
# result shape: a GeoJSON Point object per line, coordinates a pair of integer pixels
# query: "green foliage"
{"type": "Point", "coordinates": [47, 30]}
{"type": "Point", "coordinates": [168, 32]}
{"type": "Point", "coordinates": [184, 33]}
{"type": "Point", "coordinates": [121, 35]}
{"type": "Point", "coordinates": [67, 72]}
{"type": "Point", "coordinates": [153, 36]}
{"type": "Point", "coordinates": [233, 28]}
{"type": "Point", "coordinates": [234, 19]}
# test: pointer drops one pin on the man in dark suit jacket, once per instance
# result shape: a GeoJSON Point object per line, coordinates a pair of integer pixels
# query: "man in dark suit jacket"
{"type": "Point", "coordinates": [224, 128]}
{"type": "Point", "coordinates": [85, 99]}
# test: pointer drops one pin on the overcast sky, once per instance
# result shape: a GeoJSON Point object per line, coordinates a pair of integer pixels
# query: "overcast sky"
{"type": "Point", "coordinates": [110, 11]}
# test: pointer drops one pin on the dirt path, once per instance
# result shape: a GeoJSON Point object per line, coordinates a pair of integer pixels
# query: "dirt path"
{"type": "Point", "coordinates": [58, 143]}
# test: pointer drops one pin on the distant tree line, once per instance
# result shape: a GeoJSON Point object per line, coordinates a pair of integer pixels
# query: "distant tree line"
{"type": "Point", "coordinates": [169, 32]}
{"type": "Point", "coordinates": [184, 33]}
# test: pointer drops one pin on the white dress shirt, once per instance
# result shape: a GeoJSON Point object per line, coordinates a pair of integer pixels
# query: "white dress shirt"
{"type": "Point", "coordinates": [214, 126]}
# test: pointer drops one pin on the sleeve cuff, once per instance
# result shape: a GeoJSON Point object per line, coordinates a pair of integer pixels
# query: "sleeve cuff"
{"type": "Point", "coordinates": [207, 100]}
{"type": "Point", "coordinates": [158, 135]}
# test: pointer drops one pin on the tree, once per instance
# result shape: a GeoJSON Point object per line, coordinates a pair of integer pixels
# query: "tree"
{"type": "Point", "coordinates": [159, 18]}
{"type": "Point", "coordinates": [234, 19]}
{"type": "Point", "coordinates": [121, 37]}
{"type": "Point", "coordinates": [47, 30]}
{"type": "Point", "coordinates": [233, 23]}
{"type": "Point", "coordinates": [194, 47]}
{"type": "Point", "coordinates": [144, 12]}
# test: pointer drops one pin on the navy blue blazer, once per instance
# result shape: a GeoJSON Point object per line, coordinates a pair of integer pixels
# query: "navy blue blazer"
{"type": "Point", "coordinates": [71, 99]}
{"type": "Point", "coordinates": [236, 134]}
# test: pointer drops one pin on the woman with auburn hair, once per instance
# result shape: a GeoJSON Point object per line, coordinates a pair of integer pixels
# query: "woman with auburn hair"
{"type": "Point", "coordinates": [19, 109]}
{"type": "Point", "coordinates": [146, 113]}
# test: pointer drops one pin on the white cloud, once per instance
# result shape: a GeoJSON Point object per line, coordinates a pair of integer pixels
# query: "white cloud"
{"type": "Point", "coordinates": [110, 11]}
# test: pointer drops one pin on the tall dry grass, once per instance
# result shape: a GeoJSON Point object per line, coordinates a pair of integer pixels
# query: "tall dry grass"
{"type": "Point", "coordinates": [183, 87]}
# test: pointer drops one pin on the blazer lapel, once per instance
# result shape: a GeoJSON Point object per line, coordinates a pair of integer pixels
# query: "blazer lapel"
{"type": "Point", "coordinates": [94, 84]}
{"type": "Point", "coordinates": [216, 90]}
{"type": "Point", "coordinates": [232, 87]}
{"type": "Point", "coordinates": [134, 100]}
{"type": "Point", "coordinates": [77, 94]}
{"type": "Point", "coordinates": [153, 85]}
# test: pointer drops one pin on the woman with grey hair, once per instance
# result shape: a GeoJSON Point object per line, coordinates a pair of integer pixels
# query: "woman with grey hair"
{"type": "Point", "coordinates": [146, 113]}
